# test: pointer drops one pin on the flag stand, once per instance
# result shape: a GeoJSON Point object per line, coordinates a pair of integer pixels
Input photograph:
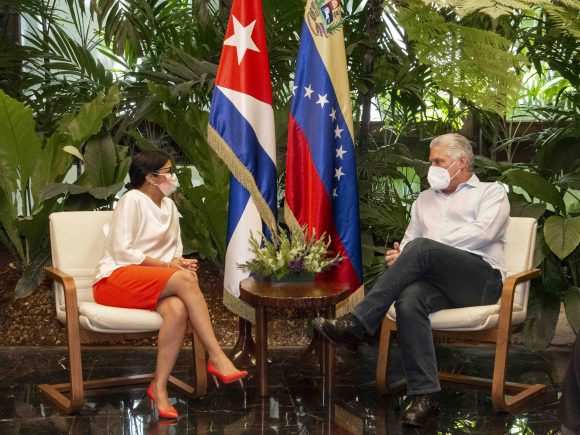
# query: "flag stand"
{"type": "Point", "coordinates": [243, 354]}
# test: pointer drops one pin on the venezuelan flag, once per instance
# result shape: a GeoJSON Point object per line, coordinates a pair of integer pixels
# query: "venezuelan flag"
{"type": "Point", "coordinates": [321, 180]}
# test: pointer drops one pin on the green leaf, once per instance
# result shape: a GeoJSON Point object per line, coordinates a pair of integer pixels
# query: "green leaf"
{"type": "Point", "coordinates": [89, 120]}
{"type": "Point", "coordinates": [562, 235]}
{"type": "Point", "coordinates": [540, 324]}
{"type": "Point", "coordinates": [572, 307]}
{"type": "Point", "coordinates": [100, 161]}
{"type": "Point", "coordinates": [55, 189]}
{"type": "Point", "coordinates": [536, 186]}
{"type": "Point", "coordinates": [570, 181]}
{"type": "Point", "coordinates": [73, 151]}
{"type": "Point", "coordinates": [52, 165]}
{"type": "Point", "coordinates": [552, 276]}
{"type": "Point", "coordinates": [104, 192]}
{"type": "Point", "coordinates": [19, 144]}
{"type": "Point", "coordinates": [33, 274]}
{"type": "Point", "coordinates": [527, 209]}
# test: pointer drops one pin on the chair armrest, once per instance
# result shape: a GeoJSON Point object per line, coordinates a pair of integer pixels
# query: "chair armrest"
{"type": "Point", "coordinates": [70, 291]}
{"type": "Point", "coordinates": [508, 292]}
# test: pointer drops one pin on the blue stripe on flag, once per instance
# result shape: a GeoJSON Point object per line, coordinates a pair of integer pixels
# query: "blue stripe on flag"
{"type": "Point", "coordinates": [239, 197]}
{"type": "Point", "coordinates": [240, 137]}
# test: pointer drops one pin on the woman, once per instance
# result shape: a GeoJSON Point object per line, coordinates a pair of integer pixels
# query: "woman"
{"type": "Point", "coordinates": [142, 268]}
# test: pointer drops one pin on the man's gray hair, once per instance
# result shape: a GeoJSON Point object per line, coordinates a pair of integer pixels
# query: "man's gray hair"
{"type": "Point", "coordinates": [457, 146]}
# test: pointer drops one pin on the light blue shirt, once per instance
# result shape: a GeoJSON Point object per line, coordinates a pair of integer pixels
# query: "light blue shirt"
{"type": "Point", "coordinates": [473, 218]}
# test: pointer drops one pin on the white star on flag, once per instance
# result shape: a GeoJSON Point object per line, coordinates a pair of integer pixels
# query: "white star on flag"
{"type": "Point", "coordinates": [322, 100]}
{"type": "Point", "coordinates": [334, 193]}
{"type": "Point", "coordinates": [337, 131]}
{"type": "Point", "coordinates": [242, 39]}
{"type": "Point", "coordinates": [340, 152]}
{"type": "Point", "coordinates": [294, 89]}
{"type": "Point", "coordinates": [309, 91]}
{"type": "Point", "coordinates": [338, 173]}
{"type": "Point", "coordinates": [333, 114]}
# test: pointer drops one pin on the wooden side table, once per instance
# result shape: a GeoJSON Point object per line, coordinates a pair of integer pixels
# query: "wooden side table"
{"type": "Point", "coordinates": [315, 295]}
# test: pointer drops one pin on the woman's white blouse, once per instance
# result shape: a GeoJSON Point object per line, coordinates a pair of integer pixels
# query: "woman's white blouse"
{"type": "Point", "coordinates": [139, 229]}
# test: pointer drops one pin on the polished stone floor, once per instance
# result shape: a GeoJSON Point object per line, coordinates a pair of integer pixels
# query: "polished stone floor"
{"type": "Point", "coordinates": [294, 406]}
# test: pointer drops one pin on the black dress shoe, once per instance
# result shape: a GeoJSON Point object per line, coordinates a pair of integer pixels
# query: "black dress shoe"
{"type": "Point", "coordinates": [419, 410]}
{"type": "Point", "coordinates": [346, 330]}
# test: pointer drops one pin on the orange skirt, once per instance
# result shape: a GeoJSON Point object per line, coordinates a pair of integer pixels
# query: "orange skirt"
{"type": "Point", "coordinates": [133, 287]}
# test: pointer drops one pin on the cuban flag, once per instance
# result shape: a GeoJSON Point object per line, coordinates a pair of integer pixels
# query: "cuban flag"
{"type": "Point", "coordinates": [241, 131]}
{"type": "Point", "coordinates": [321, 179]}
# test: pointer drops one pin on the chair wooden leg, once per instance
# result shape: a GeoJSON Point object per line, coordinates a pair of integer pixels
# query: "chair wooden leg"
{"type": "Point", "coordinates": [76, 388]}
{"type": "Point", "coordinates": [55, 393]}
{"type": "Point", "coordinates": [521, 393]}
{"type": "Point", "coordinates": [387, 328]}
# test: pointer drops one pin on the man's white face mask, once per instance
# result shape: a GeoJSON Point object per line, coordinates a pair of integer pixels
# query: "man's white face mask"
{"type": "Point", "coordinates": [439, 177]}
{"type": "Point", "coordinates": [169, 185]}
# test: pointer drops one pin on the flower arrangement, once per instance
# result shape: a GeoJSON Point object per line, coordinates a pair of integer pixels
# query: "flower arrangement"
{"type": "Point", "coordinates": [287, 256]}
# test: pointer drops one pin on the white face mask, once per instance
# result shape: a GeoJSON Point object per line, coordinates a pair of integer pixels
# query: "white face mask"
{"type": "Point", "coordinates": [169, 185]}
{"type": "Point", "coordinates": [439, 177]}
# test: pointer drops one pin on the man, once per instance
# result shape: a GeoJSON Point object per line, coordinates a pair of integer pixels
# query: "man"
{"type": "Point", "coordinates": [451, 256]}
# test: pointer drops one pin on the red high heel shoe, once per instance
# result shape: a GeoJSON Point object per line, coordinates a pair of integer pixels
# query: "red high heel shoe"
{"type": "Point", "coordinates": [164, 413]}
{"type": "Point", "coordinates": [236, 376]}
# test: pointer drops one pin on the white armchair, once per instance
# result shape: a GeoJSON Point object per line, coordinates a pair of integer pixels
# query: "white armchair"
{"type": "Point", "coordinates": [77, 243]}
{"type": "Point", "coordinates": [489, 323]}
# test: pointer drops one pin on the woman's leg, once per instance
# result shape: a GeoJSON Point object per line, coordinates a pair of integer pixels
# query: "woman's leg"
{"type": "Point", "coordinates": [185, 286]}
{"type": "Point", "coordinates": [174, 314]}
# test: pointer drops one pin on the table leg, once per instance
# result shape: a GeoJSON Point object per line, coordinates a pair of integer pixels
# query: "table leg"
{"type": "Point", "coordinates": [262, 350]}
{"type": "Point", "coordinates": [329, 359]}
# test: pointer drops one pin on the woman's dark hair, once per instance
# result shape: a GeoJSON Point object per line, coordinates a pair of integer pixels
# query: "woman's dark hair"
{"type": "Point", "coordinates": [144, 163]}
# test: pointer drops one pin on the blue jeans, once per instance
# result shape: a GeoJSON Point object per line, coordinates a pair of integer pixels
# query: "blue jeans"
{"type": "Point", "coordinates": [428, 276]}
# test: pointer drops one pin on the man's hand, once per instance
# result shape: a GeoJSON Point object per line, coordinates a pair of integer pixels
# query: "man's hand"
{"type": "Point", "coordinates": [392, 254]}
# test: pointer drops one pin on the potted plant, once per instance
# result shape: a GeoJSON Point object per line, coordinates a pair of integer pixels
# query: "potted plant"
{"type": "Point", "coordinates": [290, 257]}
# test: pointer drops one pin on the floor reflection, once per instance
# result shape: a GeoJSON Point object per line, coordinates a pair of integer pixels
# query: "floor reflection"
{"type": "Point", "coordinates": [295, 404]}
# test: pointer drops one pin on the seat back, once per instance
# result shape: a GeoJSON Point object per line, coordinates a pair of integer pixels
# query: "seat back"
{"type": "Point", "coordinates": [519, 254]}
{"type": "Point", "coordinates": [77, 242]}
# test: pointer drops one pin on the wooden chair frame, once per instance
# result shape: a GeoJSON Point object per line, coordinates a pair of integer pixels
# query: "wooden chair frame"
{"type": "Point", "coordinates": [77, 336]}
{"type": "Point", "coordinates": [499, 335]}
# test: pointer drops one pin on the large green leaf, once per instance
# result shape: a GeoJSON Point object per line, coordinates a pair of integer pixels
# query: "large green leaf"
{"type": "Point", "coordinates": [519, 207]}
{"type": "Point", "coordinates": [52, 165]}
{"type": "Point", "coordinates": [104, 192]}
{"type": "Point", "coordinates": [33, 274]}
{"type": "Point", "coordinates": [562, 234]}
{"type": "Point", "coordinates": [89, 120]}
{"type": "Point", "coordinates": [55, 189]}
{"type": "Point", "coordinates": [572, 306]}
{"type": "Point", "coordinates": [536, 186]}
{"type": "Point", "coordinates": [570, 181]}
{"type": "Point", "coordinates": [540, 324]}
{"type": "Point", "coordinates": [19, 144]}
{"type": "Point", "coordinates": [100, 161]}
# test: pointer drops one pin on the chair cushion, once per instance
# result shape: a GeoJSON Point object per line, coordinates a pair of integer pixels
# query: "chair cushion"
{"type": "Point", "coordinates": [101, 318]}
{"type": "Point", "coordinates": [467, 319]}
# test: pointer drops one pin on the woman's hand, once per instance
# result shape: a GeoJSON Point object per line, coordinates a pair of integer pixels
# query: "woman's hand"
{"type": "Point", "coordinates": [187, 264]}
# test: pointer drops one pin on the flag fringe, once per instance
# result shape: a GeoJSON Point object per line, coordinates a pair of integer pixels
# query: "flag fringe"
{"type": "Point", "coordinates": [239, 307]}
{"type": "Point", "coordinates": [352, 301]}
{"type": "Point", "coordinates": [289, 217]}
{"type": "Point", "coordinates": [243, 175]}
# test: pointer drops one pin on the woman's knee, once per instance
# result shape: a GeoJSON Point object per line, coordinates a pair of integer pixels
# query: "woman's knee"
{"type": "Point", "coordinates": [176, 309]}
{"type": "Point", "coordinates": [183, 281]}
